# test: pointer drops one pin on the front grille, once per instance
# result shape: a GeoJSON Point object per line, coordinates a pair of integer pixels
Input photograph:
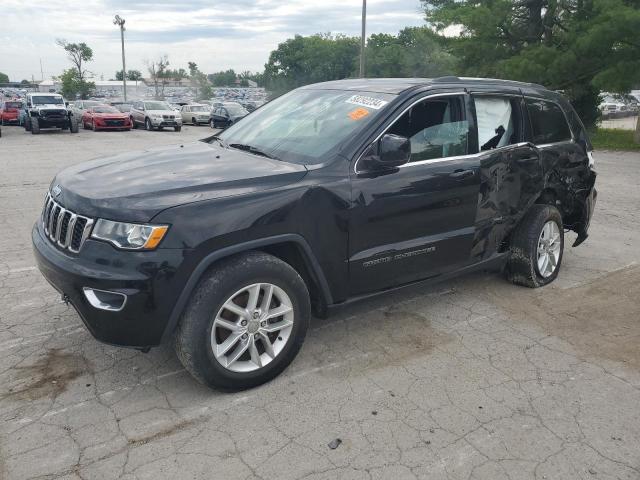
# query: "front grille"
{"type": "Point", "coordinates": [53, 113]}
{"type": "Point", "coordinates": [63, 227]}
{"type": "Point", "coordinates": [114, 123]}
{"type": "Point", "coordinates": [168, 117]}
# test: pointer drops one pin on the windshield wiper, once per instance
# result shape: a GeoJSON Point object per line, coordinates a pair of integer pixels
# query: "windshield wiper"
{"type": "Point", "coordinates": [222, 143]}
{"type": "Point", "coordinates": [252, 149]}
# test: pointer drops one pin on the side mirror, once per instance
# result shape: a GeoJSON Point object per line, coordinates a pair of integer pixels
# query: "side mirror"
{"type": "Point", "coordinates": [394, 150]}
{"type": "Point", "coordinates": [389, 152]}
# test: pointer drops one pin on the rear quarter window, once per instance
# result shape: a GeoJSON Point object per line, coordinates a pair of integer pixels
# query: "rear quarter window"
{"type": "Point", "coordinates": [548, 122]}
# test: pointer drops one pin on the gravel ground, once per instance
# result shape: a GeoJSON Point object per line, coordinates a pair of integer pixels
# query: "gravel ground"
{"type": "Point", "coordinates": [474, 378]}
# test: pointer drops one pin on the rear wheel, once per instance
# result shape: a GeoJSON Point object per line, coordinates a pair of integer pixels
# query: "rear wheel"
{"type": "Point", "coordinates": [245, 322]}
{"type": "Point", "coordinates": [536, 247]}
{"type": "Point", "coordinates": [27, 125]}
{"type": "Point", "coordinates": [194, 121]}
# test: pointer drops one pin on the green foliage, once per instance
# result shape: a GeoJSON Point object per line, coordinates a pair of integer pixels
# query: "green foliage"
{"type": "Point", "coordinates": [133, 75]}
{"type": "Point", "coordinates": [611, 139]}
{"type": "Point", "coordinates": [318, 58]}
{"type": "Point", "coordinates": [79, 54]}
{"type": "Point", "coordinates": [414, 52]}
{"type": "Point", "coordinates": [73, 87]}
{"type": "Point", "coordinates": [200, 82]}
{"type": "Point", "coordinates": [223, 79]}
{"type": "Point", "coordinates": [577, 46]}
{"type": "Point", "coordinates": [4, 78]}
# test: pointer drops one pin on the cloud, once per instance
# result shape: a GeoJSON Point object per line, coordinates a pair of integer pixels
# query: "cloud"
{"type": "Point", "coordinates": [218, 35]}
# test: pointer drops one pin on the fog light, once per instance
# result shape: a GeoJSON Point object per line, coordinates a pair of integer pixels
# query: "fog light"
{"type": "Point", "coordinates": [104, 299]}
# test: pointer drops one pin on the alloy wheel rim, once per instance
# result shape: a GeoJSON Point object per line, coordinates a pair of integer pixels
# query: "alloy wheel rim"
{"type": "Point", "coordinates": [549, 246]}
{"type": "Point", "coordinates": [252, 327]}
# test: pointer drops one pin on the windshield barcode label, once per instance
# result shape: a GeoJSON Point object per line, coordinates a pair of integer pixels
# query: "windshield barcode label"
{"type": "Point", "coordinates": [369, 102]}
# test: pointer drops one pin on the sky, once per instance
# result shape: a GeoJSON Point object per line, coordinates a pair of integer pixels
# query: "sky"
{"type": "Point", "coordinates": [216, 34]}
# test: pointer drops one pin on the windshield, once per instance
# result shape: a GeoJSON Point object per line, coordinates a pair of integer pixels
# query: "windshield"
{"type": "Point", "coordinates": [234, 109]}
{"type": "Point", "coordinates": [47, 100]}
{"type": "Point", "coordinates": [303, 126]}
{"type": "Point", "coordinates": [157, 106]}
{"type": "Point", "coordinates": [105, 109]}
{"type": "Point", "coordinates": [13, 104]}
{"type": "Point", "coordinates": [199, 108]}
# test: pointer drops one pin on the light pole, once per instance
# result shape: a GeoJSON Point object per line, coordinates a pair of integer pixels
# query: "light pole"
{"type": "Point", "coordinates": [120, 22]}
{"type": "Point", "coordinates": [363, 37]}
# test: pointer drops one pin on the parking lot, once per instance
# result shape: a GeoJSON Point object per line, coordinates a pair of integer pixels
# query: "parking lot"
{"type": "Point", "coordinates": [470, 379]}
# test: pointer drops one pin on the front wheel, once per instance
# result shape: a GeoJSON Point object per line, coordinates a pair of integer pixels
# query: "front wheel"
{"type": "Point", "coordinates": [35, 126]}
{"type": "Point", "coordinates": [536, 247]}
{"type": "Point", "coordinates": [177, 129]}
{"type": "Point", "coordinates": [133, 124]}
{"type": "Point", "coordinates": [74, 127]}
{"type": "Point", "coordinates": [245, 322]}
{"type": "Point", "coordinates": [147, 125]}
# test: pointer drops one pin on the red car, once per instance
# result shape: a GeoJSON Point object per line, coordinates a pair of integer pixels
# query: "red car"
{"type": "Point", "coordinates": [9, 110]}
{"type": "Point", "coordinates": [105, 117]}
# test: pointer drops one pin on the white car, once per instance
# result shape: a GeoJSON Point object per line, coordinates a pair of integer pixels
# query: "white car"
{"type": "Point", "coordinates": [79, 107]}
{"type": "Point", "coordinates": [197, 114]}
{"type": "Point", "coordinates": [155, 114]}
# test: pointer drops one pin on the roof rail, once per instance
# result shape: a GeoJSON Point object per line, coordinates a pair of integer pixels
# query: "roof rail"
{"type": "Point", "coordinates": [446, 79]}
{"type": "Point", "coordinates": [452, 78]}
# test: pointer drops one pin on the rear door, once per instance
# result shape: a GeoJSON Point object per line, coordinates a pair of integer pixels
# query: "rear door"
{"type": "Point", "coordinates": [510, 170]}
{"type": "Point", "coordinates": [416, 221]}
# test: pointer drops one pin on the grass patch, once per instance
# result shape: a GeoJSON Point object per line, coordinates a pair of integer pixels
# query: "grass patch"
{"type": "Point", "coordinates": [613, 139]}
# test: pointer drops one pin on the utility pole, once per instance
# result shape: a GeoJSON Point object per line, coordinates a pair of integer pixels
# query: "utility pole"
{"type": "Point", "coordinates": [363, 37]}
{"type": "Point", "coordinates": [41, 71]}
{"type": "Point", "coordinates": [120, 22]}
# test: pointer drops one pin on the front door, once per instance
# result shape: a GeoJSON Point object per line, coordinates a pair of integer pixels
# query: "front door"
{"type": "Point", "coordinates": [417, 220]}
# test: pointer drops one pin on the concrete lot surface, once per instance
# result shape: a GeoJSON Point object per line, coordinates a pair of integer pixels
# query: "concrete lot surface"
{"type": "Point", "coordinates": [472, 379]}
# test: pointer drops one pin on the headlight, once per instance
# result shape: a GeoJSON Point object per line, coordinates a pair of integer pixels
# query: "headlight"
{"type": "Point", "coordinates": [130, 236]}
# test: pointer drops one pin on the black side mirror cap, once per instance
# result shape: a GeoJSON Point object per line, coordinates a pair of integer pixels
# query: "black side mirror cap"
{"type": "Point", "coordinates": [394, 150]}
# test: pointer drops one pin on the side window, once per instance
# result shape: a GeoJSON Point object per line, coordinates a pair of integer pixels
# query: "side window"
{"type": "Point", "coordinates": [548, 123]}
{"type": "Point", "coordinates": [498, 120]}
{"type": "Point", "coordinates": [437, 128]}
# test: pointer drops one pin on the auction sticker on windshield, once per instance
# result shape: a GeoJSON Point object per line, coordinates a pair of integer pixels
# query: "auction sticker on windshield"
{"type": "Point", "coordinates": [358, 113]}
{"type": "Point", "coordinates": [369, 102]}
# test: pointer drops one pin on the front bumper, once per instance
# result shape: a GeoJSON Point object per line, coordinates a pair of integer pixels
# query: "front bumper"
{"type": "Point", "coordinates": [156, 122]}
{"type": "Point", "coordinates": [151, 282]}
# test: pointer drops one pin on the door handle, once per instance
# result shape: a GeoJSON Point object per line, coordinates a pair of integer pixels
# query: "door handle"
{"type": "Point", "coordinates": [461, 174]}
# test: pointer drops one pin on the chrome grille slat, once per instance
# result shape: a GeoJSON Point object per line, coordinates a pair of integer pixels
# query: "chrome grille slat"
{"type": "Point", "coordinates": [65, 229]}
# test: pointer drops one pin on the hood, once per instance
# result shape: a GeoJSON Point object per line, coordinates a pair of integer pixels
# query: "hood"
{"type": "Point", "coordinates": [119, 116]}
{"type": "Point", "coordinates": [161, 112]}
{"type": "Point", "coordinates": [47, 106]}
{"type": "Point", "coordinates": [136, 186]}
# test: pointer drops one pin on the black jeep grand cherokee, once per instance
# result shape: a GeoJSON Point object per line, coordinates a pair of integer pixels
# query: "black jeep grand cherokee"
{"type": "Point", "coordinates": [330, 193]}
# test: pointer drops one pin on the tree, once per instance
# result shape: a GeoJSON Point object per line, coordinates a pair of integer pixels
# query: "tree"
{"type": "Point", "coordinates": [133, 75]}
{"type": "Point", "coordinates": [317, 58]}
{"type": "Point", "coordinates": [76, 77]}
{"type": "Point", "coordinates": [577, 46]}
{"type": "Point", "coordinates": [4, 78]}
{"type": "Point", "coordinates": [414, 52]}
{"type": "Point", "coordinates": [72, 87]}
{"type": "Point", "coordinates": [223, 79]}
{"type": "Point", "coordinates": [157, 71]}
{"type": "Point", "coordinates": [200, 82]}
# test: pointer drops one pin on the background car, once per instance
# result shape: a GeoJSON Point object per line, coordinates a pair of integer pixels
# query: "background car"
{"type": "Point", "coordinates": [122, 107]}
{"type": "Point", "coordinates": [197, 114]}
{"type": "Point", "coordinates": [9, 111]}
{"type": "Point", "coordinates": [105, 117]}
{"type": "Point", "coordinates": [78, 107]}
{"type": "Point", "coordinates": [227, 114]}
{"type": "Point", "coordinates": [155, 114]}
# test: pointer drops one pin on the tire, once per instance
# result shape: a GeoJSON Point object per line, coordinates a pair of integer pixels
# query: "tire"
{"type": "Point", "coordinates": [84, 125]}
{"type": "Point", "coordinates": [523, 266]}
{"type": "Point", "coordinates": [212, 123]}
{"type": "Point", "coordinates": [73, 126]}
{"type": "Point", "coordinates": [177, 129]}
{"type": "Point", "coordinates": [147, 124]}
{"type": "Point", "coordinates": [93, 126]}
{"type": "Point", "coordinates": [27, 125]}
{"type": "Point", "coordinates": [193, 337]}
{"type": "Point", "coordinates": [194, 121]}
{"type": "Point", "coordinates": [35, 126]}
{"type": "Point", "coordinates": [133, 123]}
